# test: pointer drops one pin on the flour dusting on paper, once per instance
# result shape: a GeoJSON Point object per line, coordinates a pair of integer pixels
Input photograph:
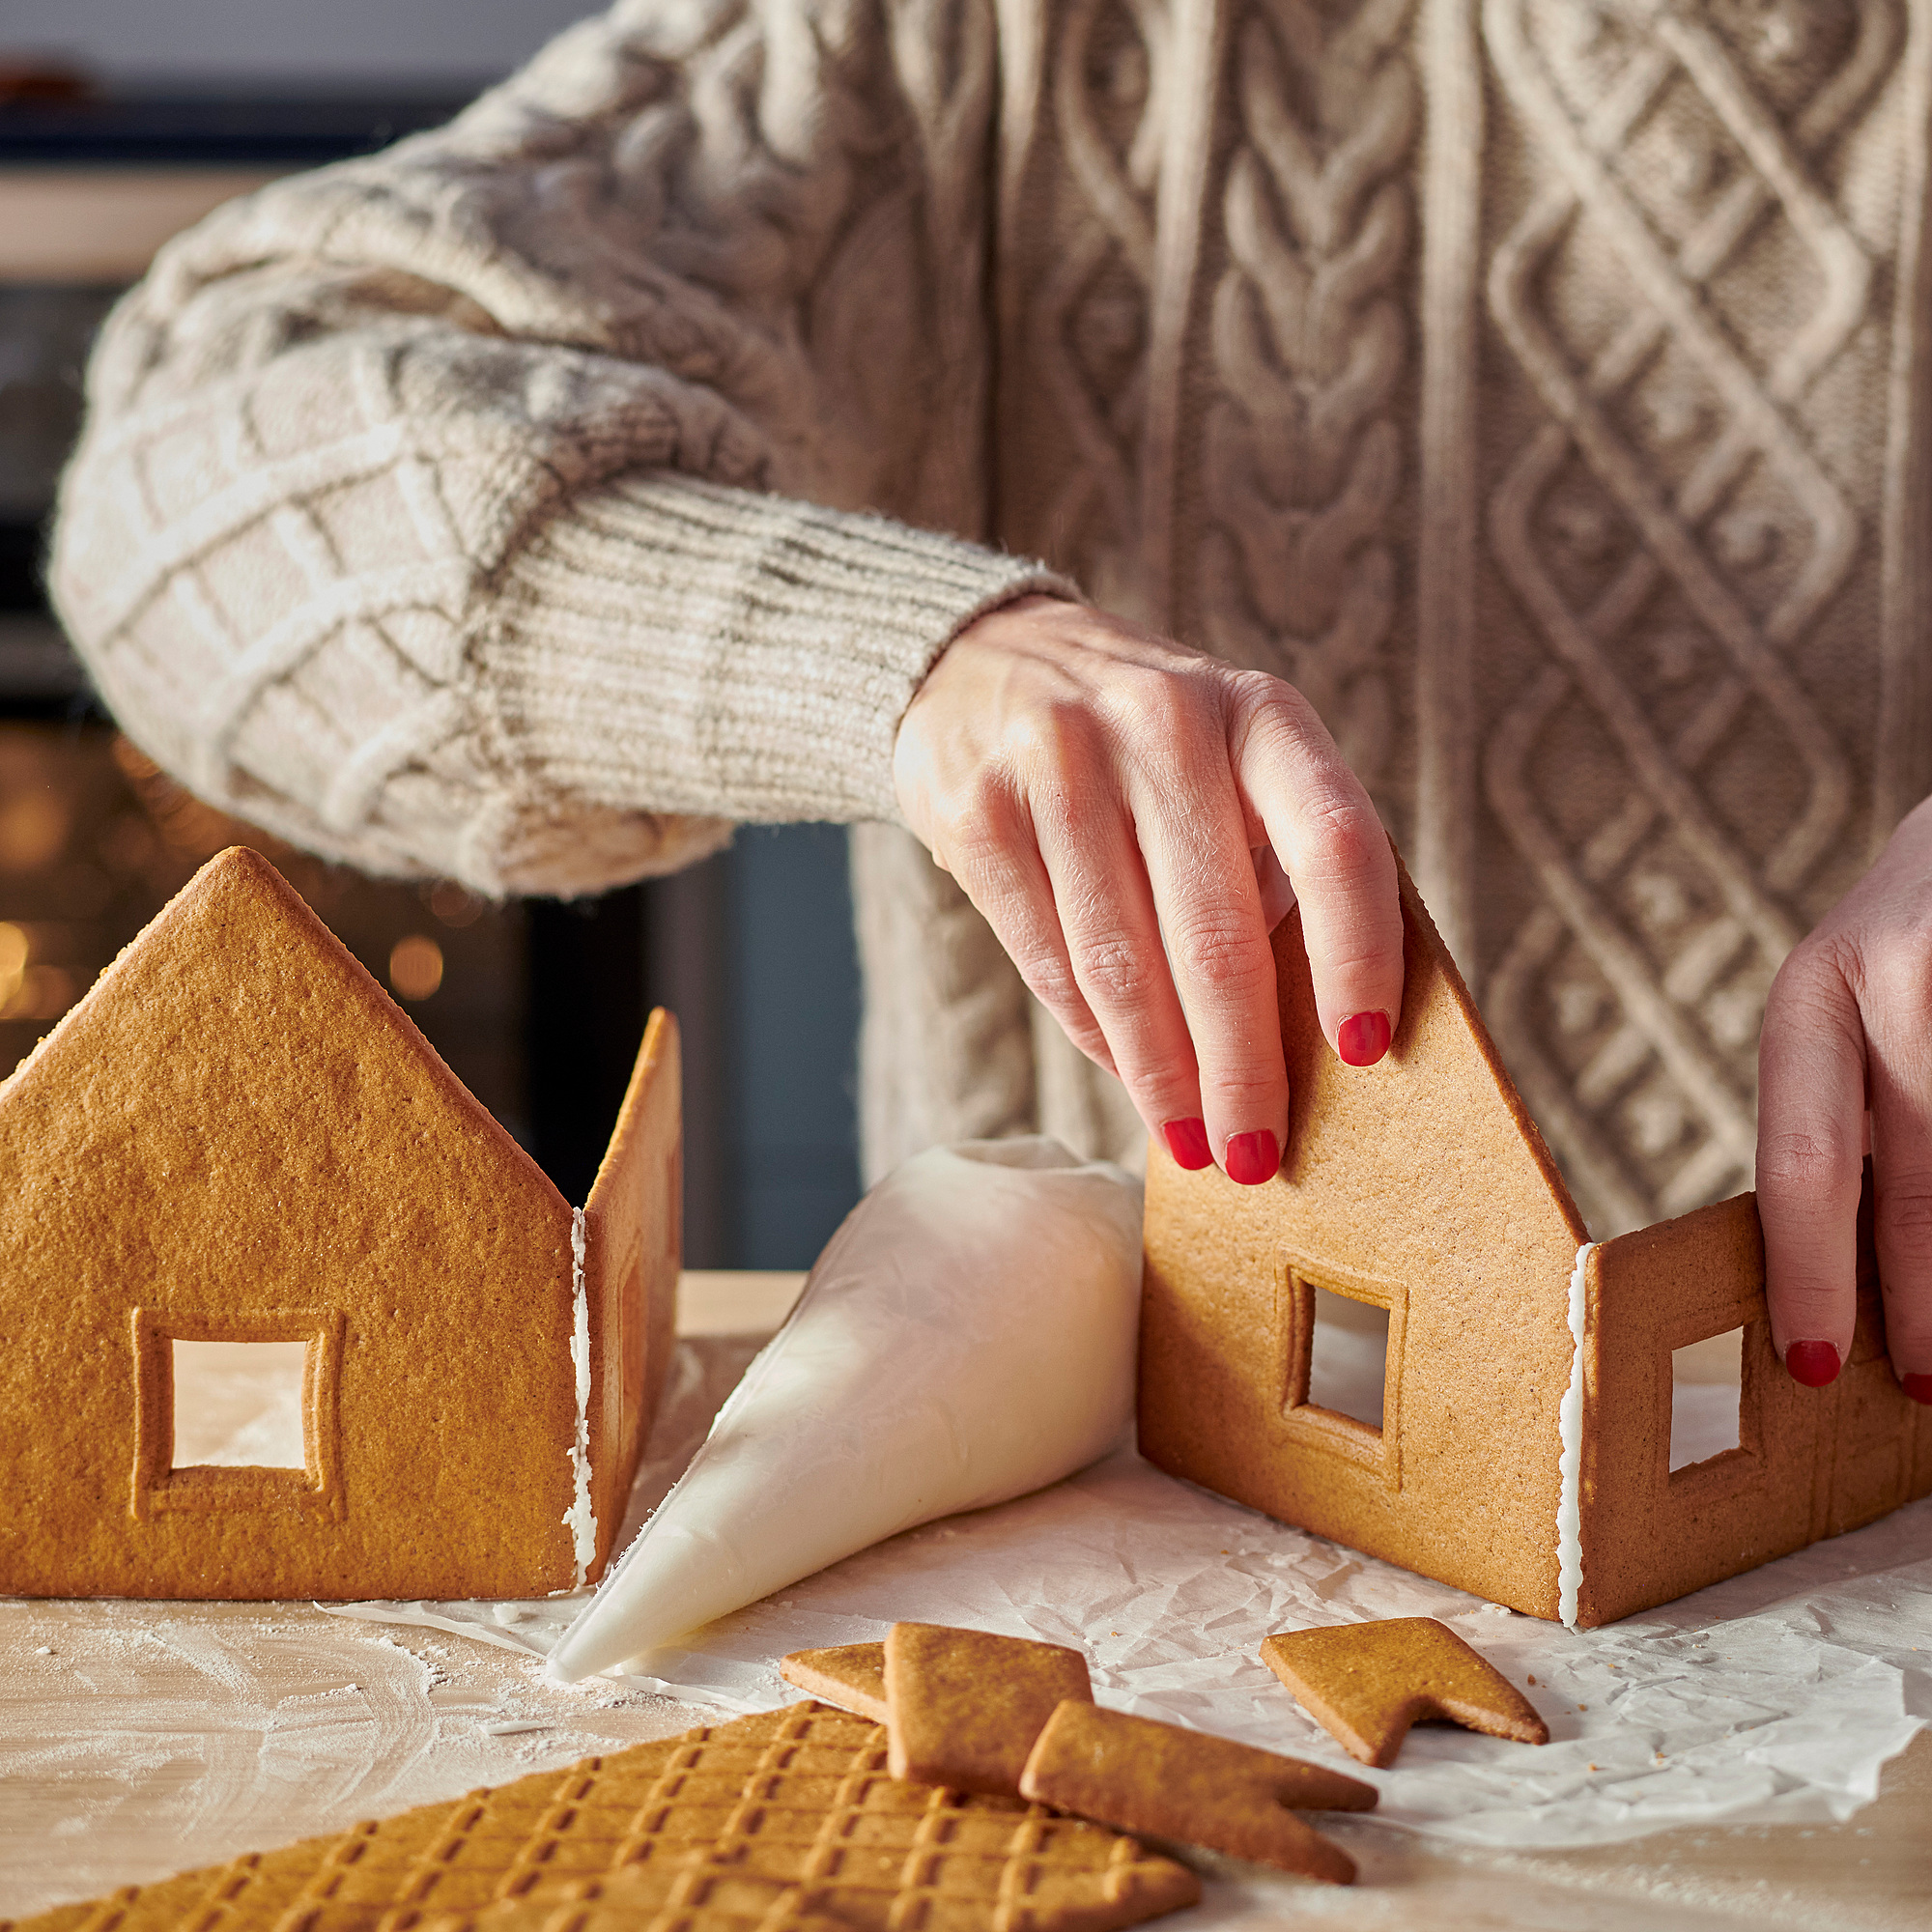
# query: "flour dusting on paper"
{"type": "Point", "coordinates": [1775, 1697]}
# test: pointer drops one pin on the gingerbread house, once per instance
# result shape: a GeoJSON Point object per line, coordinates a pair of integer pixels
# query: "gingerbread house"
{"type": "Point", "coordinates": [237, 1137]}
{"type": "Point", "coordinates": [1519, 1442]}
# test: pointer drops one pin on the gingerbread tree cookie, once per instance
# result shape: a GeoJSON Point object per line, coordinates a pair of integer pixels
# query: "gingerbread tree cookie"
{"type": "Point", "coordinates": [1366, 1684]}
{"type": "Point", "coordinates": [964, 1707]}
{"type": "Point", "coordinates": [1140, 1775]}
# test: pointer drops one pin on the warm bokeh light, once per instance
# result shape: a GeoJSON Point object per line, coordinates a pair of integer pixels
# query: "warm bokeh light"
{"type": "Point", "coordinates": [416, 967]}
{"type": "Point", "coordinates": [33, 992]}
{"type": "Point", "coordinates": [33, 830]}
{"type": "Point", "coordinates": [14, 952]}
{"type": "Point", "coordinates": [454, 905]}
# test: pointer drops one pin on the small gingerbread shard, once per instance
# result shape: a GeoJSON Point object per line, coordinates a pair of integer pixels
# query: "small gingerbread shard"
{"type": "Point", "coordinates": [850, 1675]}
{"type": "Point", "coordinates": [1366, 1684]}
{"type": "Point", "coordinates": [964, 1707]}
{"type": "Point", "coordinates": [1140, 1776]}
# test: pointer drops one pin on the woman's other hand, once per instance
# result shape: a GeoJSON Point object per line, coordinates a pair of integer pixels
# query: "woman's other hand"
{"type": "Point", "coordinates": [1097, 790]}
{"type": "Point", "coordinates": [1847, 1029]}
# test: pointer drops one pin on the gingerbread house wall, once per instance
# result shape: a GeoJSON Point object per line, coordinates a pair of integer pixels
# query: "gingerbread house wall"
{"type": "Point", "coordinates": [1419, 1184]}
{"type": "Point", "coordinates": [633, 1222]}
{"type": "Point", "coordinates": [237, 1136]}
{"type": "Point", "coordinates": [1809, 1462]}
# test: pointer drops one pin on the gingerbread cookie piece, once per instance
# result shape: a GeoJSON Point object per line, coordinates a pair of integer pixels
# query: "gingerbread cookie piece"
{"type": "Point", "coordinates": [964, 1707]}
{"type": "Point", "coordinates": [850, 1675]}
{"type": "Point", "coordinates": [1366, 1684]}
{"type": "Point", "coordinates": [1140, 1775]}
{"type": "Point", "coordinates": [666, 1895]}
{"type": "Point", "coordinates": [800, 1795]}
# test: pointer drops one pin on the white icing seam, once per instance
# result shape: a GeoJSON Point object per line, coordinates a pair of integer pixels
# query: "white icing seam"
{"type": "Point", "coordinates": [581, 1519]}
{"type": "Point", "coordinates": [1569, 1429]}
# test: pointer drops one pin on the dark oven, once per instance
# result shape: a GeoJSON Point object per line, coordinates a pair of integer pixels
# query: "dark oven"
{"type": "Point", "coordinates": [536, 1008]}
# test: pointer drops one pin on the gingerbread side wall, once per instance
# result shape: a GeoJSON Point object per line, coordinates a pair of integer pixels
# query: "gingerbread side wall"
{"type": "Point", "coordinates": [1418, 1186]}
{"type": "Point", "coordinates": [1809, 1462]}
{"type": "Point", "coordinates": [634, 1225]}
{"type": "Point", "coordinates": [237, 1137]}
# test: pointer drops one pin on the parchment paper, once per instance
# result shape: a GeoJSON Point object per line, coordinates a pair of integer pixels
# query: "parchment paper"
{"type": "Point", "coordinates": [1774, 1697]}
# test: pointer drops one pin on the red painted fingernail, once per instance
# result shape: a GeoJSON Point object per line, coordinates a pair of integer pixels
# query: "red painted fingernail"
{"type": "Point", "coordinates": [1918, 1388]}
{"type": "Point", "coordinates": [1187, 1143]}
{"type": "Point", "coordinates": [1253, 1159]}
{"type": "Point", "coordinates": [1812, 1363]}
{"type": "Point", "coordinates": [1362, 1039]}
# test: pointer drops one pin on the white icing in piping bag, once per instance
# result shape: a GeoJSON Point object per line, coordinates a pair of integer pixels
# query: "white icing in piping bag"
{"type": "Point", "coordinates": [968, 1335]}
{"type": "Point", "coordinates": [1569, 1429]}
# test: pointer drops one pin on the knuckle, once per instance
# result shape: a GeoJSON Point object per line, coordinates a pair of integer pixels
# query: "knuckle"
{"type": "Point", "coordinates": [1908, 1331]}
{"type": "Point", "coordinates": [1355, 959]}
{"type": "Point", "coordinates": [1111, 968]}
{"type": "Point", "coordinates": [1808, 1166]}
{"type": "Point", "coordinates": [982, 826]}
{"type": "Point", "coordinates": [1057, 736]}
{"type": "Point", "coordinates": [1162, 1091]}
{"type": "Point", "coordinates": [1245, 1096]}
{"type": "Point", "coordinates": [1254, 699]}
{"type": "Point", "coordinates": [1153, 698]}
{"type": "Point", "coordinates": [979, 852]}
{"type": "Point", "coordinates": [1164, 727]}
{"type": "Point", "coordinates": [1895, 975]}
{"type": "Point", "coordinates": [1049, 977]}
{"type": "Point", "coordinates": [1813, 987]}
{"type": "Point", "coordinates": [1221, 958]}
{"type": "Point", "coordinates": [1904, 1215]}
{"type": "Point", "coordinates": [1341, 841]}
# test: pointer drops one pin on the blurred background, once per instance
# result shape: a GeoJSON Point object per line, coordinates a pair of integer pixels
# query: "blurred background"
{"type": "Point", "coordinates": [450, 45]}
{"type": "Point", "coordinates": [122, 121]}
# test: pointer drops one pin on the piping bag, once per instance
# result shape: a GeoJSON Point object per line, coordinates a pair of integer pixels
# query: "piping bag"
{"type": "Point", "coordinates": [968, 1334]}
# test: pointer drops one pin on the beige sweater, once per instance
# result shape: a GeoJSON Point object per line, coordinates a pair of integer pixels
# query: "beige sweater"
{"type": "Point", "coordinates": [1541, 388]}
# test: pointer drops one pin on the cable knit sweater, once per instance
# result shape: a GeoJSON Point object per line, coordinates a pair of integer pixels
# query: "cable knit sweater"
{"type": "Point", "coordinates": [1542, 389]}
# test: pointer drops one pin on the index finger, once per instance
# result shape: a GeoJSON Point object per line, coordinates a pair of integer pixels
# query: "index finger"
{"type": "Point", "coordinates": [1209, 901]}
{"type": "Point", "coordinates": [1330, 842]}
{"type": "Point", "coordinates": [1899, 1062]}
{"type": "Point", "coordinates": [1811, 1161]}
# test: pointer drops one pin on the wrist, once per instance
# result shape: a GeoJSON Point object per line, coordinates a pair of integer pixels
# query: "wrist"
{"type": "Point", "coordinates": [1006, 627]}
{"type": "Point", "coordinates": [1019, 611]}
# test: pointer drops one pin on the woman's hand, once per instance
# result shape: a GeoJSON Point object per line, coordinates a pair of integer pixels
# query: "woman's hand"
{"type": "Point", "coordinates": [1847, 1029]}
{"type": "Point", "coordinates": [1097, 791]}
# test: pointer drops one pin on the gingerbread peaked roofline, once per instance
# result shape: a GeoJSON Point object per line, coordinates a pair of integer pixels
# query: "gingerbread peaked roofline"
{"type": "Point", "coordinates": [236, 1135]}
{"type": "Point", "coordinates": [1525, 1448]}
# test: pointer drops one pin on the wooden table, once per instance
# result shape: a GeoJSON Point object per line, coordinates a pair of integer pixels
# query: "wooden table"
{"type": "Point", "coordinates": [139, 1739]}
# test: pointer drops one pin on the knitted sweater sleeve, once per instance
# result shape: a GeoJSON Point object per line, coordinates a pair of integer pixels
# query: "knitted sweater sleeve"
{"type": "Point", "coordinates": [497, 506]}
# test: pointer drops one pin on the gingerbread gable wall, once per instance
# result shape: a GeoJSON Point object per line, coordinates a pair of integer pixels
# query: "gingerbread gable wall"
{"type": "Point", "coordinates": [1420, 1185]}
{"type": "Point", "coordinates": [237, 1136]}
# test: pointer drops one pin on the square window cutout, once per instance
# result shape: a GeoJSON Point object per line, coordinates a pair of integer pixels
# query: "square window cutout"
{"type": "Point", "coordinates": [239, 1405]}
{"type": "Point", "coordinates": [1347, 1357]}
{"type": "Point", "coordinates": [1706, 1384]}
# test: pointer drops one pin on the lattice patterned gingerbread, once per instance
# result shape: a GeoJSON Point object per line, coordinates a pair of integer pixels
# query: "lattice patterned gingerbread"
{"type": "Point", "coordinates": [666, 1895]}
{"type": "Point", "coordinates": [800, 1798]}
